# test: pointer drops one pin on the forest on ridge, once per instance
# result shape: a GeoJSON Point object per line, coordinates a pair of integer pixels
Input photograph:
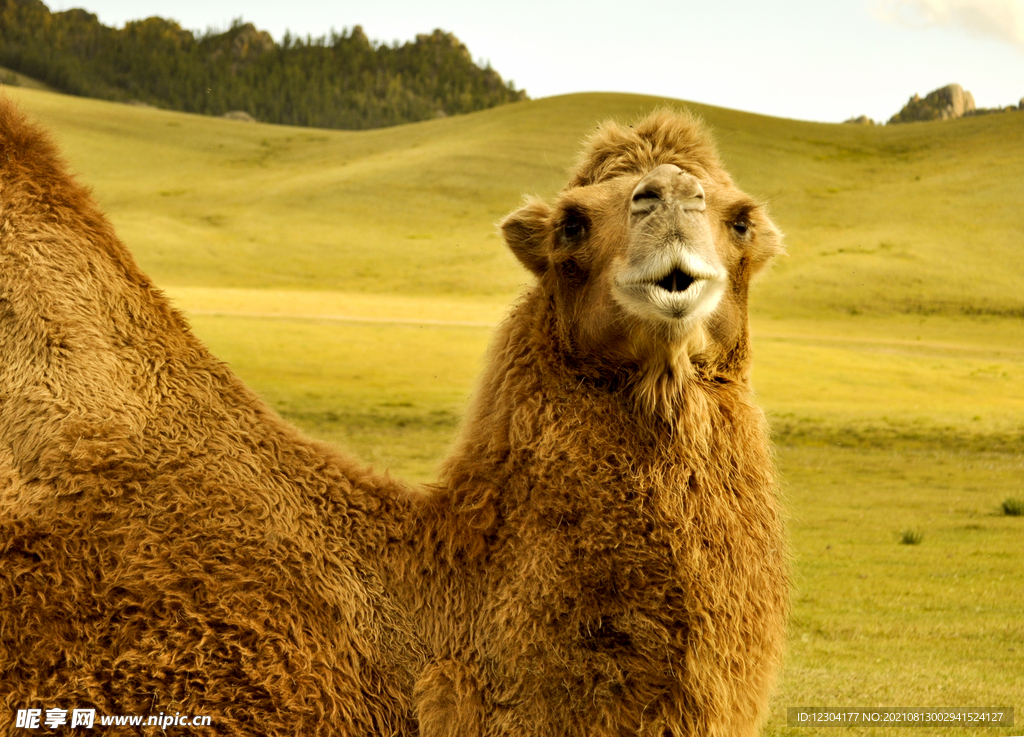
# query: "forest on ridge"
{"type": "Point", "coordinates": [344, 80]}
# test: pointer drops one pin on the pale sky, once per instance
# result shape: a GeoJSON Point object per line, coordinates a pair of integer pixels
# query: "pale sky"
{"type": "Point", "coordinates": [824, 60]}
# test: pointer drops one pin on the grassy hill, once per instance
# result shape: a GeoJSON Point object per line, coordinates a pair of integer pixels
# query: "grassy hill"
{"type": "Point", "coordinates": [900, 298]}
{"type": "Point", "coordinates": [352, 279]}
{"type": "Point", "coordinates": [17, 79]}
{"type": "Point", "coordinates": [918, 219]}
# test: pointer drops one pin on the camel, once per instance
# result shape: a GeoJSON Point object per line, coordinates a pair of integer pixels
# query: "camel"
{"type": "Point", "coordinates": [168, 545]}
{"type": "Point", "coordinates": [626, 571]}
{"type": "Point", "coordinates": [601, 555]}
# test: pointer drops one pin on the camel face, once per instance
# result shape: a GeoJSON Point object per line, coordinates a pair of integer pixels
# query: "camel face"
{"type": "Point", "coordinates": [670, 271]}
{"type": "Point", "coordinates": [648, 254]}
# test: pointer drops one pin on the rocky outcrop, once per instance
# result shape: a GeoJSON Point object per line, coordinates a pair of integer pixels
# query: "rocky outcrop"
{"type": "Point", "coordinates": [860, 120]}
{"type": "Point", "coordinates": [951, 101]}
{"type": "Point", "coordinates": [240, 115]}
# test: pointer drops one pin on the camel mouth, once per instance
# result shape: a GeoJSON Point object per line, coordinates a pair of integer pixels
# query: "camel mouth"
{"type": "Point", "coordinates": [673, 297]}
{"type": "Point", "coordinates": [676, 280]}
{"type": "Point", "coordinates": [684, 288]}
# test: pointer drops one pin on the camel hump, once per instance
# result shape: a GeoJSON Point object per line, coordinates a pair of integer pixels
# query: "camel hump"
{"type": "Point", "coordinates": [99, 375]}
{"type": "Point", "coordinates": [80, 325]}
{"type": "Point", "coordinates": [25, 147]}
{"type": "Point", "coordinates": [51, 231]}
{"type": "Point", "coordinates": [55, 243]}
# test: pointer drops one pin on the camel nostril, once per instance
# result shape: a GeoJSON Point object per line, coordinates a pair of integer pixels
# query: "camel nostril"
{"type": "Point", "coordinates": [647, 191]}
{"type": "Point", "coordinates": [667, 185]}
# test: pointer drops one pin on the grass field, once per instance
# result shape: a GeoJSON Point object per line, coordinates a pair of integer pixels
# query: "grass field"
{"type": "Point", "coordinates": [353, 280]}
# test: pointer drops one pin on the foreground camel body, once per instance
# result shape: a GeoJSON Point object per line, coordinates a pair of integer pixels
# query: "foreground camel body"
{"type": "Point", "coordinates": [602, 556]}
{"type": "Point", "coordinates": [630, 576]}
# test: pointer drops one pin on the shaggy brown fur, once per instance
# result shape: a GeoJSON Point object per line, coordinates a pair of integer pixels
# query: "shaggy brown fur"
{"type": "Point", "coordinates": [167, 544]}
{"type": "Point", "coordinates": [603, 555]}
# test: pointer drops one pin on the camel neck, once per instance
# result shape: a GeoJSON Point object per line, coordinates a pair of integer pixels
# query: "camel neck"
{"type": "Point", "coordinates": [532, 408]}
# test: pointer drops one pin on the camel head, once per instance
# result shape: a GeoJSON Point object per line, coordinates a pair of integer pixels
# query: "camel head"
{"type": "Point", "coordinates": [646, 257]}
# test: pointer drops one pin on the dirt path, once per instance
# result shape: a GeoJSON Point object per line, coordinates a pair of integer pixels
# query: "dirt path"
{"type": "Point", "coordinates": [894, 345]}
{"type": "Point", "coordinates": [425, 321]}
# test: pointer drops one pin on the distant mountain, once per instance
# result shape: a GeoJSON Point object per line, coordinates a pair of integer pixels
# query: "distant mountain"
{"type": "Point", "coordinates": [342, 81]}
{"type": "Point", "coordinates": [945, 103]}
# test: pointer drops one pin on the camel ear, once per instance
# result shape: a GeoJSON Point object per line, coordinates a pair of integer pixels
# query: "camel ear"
{"type": "Point", "coordinates": [769, 245]}
{"type": "Point", "coordinates": [525, 232]}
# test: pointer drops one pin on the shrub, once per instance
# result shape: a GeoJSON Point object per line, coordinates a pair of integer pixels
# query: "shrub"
{"type": "Point", "coordinates": [911, 537]}
{"type": "Point", "coordinates": [1013, 507]}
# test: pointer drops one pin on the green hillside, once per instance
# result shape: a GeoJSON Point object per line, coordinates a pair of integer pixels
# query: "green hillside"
{"type": "Point", "coordinates": [352, 278]}
{"type": "Point", "coordinates": [919, 219]}
{"type": "Point", "coordinates": [903, 241]}
{"type": "Point", "coordinates": [16, 79]}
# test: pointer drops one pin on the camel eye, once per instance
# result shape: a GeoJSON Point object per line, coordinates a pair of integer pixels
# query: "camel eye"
{"type": "Point", "coordinates": [741, 228]}
{"type": "Point", "coordinates": [574, 226]}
